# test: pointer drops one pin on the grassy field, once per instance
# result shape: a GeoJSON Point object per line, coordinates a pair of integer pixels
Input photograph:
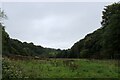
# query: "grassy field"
{"type": "Point", "coordinates": [60, 68]}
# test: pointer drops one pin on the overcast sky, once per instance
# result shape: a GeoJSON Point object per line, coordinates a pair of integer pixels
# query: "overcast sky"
{"type": "Point", "coordinates": [54, 25]}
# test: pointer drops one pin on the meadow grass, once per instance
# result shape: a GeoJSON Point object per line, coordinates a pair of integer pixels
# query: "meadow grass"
{"type": "Point", "coordinates": [60, 68]}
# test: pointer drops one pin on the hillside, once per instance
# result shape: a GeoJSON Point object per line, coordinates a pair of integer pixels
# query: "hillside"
{"type": "Point", "coordinates": [101, 44]}
{"type": "Point", "coordinates": [104, 42]}
{"type": "Point", "coordinates": [15, 47]}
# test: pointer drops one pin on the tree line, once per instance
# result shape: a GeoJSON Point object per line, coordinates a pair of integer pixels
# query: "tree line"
{"type": "Point", "coordinates": [103, 43]}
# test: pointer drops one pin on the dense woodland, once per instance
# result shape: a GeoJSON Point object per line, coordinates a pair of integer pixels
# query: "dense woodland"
{"type": "Point", "coordinates": [104, 43]}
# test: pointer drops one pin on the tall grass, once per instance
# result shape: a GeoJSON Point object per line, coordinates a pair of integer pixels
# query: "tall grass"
{"type": "Point", "coordinates": [60, 68]}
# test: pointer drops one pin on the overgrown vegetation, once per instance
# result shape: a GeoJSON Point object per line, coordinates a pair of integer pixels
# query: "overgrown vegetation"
{"type": "Point", "coordinates": [60, 68]}
{"type": "Point", "coordinates": [27, 60]}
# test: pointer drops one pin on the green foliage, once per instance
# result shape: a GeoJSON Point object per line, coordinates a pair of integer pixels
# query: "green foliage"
{"type": "Point", "coordinates": [15, 47]}
{"type": "Point", "coordinates": [112, 29]}
{"type": "Point", "coordinates": [60, 68]}
{"type": "Point", "coordinates": [5, 41]}
{"type": "Point", "coordinates": [104, 42]}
